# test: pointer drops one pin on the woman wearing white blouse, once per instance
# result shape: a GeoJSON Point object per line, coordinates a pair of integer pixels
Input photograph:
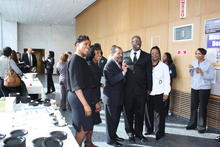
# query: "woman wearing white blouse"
{"type": "Point", "coordinates": [159, 93]}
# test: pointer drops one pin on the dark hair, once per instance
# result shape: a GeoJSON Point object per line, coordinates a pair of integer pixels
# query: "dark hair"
{"type": "Point", "coordinates": [14, 56]}
{"type": "Point", "coordinates": [169, 58]}
{"type": "Point", "coordinates": [70, 53]}
{"type": "Point", "coordinates": [157, 48]}
{"type": "Point", "coordinates": [202, 51]}
{"type": "Point", "coordinates": [51, 54]}
{"type": "Point", "coordinates": [91, 53]}
{"type": "Point", "coordinates": [7, 51]}
{"type": "Point", "coordinates": [113, 49]}
{"type": "Point", "coordinates": [18, 53]}
{"type": "Point", "coordinates": [81, 38]}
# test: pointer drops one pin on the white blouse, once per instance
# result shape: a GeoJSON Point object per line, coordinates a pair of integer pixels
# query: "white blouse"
{"type": "Point", "coordinates": [161, 79]}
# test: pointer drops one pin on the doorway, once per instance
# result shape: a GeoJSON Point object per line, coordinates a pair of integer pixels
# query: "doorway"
{"type": "Point", "coordinates": [39, 53]}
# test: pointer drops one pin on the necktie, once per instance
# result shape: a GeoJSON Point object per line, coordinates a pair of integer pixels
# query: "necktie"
{"type": "Point", "coordinates": [135, 57]}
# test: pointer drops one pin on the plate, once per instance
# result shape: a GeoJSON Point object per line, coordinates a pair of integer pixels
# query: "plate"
{"type": "Point", "coordinates": [15, 142]}
{"type": "Point", "coordinates": [59, 134]}
{"type": "Point", "coordinates": [20, 132]}
{"type": "Point", "coordinates": [2, 136]}
{"type": "Point", "coordinates": [52, 142]}
{"type": "Point", "coordinates": [38, 142]}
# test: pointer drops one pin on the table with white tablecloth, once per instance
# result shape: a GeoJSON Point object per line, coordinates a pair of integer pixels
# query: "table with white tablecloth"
{"type": "Point", "coordinates": [36, 120]}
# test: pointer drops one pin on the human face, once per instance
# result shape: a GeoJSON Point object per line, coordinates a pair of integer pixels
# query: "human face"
{"type": "Point", "coordinates": [164, 58]}
{"type": "Point", "coordinates": [97, 56]}
{"type": "Point", "coordinates": [29, 51]}
{"type": "Point", "coordinates": [18, 56]}
{"type": "Point", "coordinates": [155, 55]}
{"type": "Point", "coordinates": [83, 47]}
{"type": "Point", "coordinates": [118, 55]}
{"type": "Point", "coordinates": [199, 55]}
{"type": "Point", "coordinates": [136, 43]}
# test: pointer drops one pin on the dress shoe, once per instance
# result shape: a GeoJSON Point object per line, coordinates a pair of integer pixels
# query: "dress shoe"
{"type": "Point", "coordinates": [131, 137]}
{"type": "Point", "coordinates": [160, 136]}
{"type": "Point", "coordinates": [148, 133]}
{"type": "Point", "coordinates": [217, 138]}
{"type": "Point", "coordinates": [201, 131]}
{"type": "Point", "coordinates": [143, 139]}
{"type": "Point", "coordinates": [53, 91]}
{"type": "Point", "coordinates": [115, 143]}
{"type": "Point", "coordinates": [190, 127]}
{"type": "Point", "coordinates": [47, 93]}
{"type": "Point", "coordinates": [119, 139]}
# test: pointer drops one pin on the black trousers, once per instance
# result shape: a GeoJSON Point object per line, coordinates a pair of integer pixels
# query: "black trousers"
{"type": "Point", "coordinates": [155, 115]}
{"type": "Point", "coordinates": [134, 114]}
{"type": "Point", "coordinates": [199, 99]}
{"type": "Point", "coordinates": [112, 117]}
{"type": "Point", "coordinates": [63, 90]}
{"type": "Point", "coordinates": [50, 84]}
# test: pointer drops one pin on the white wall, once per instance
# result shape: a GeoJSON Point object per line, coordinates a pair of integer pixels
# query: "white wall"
{"type": "Point", "coordinates": [1, 33]}
{"type": "Point", "coordinates": [58, 38]}
{"type": "Point", "coordinates": [8, 34]}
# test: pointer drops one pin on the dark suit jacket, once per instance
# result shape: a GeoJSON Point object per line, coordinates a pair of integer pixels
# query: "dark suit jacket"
{"type": "Point", "coordinates": [139, 74]}
{"type": "Point", "coordinates": [26, 60]}
{"type": "Point", "coordinates": [101, 64]}
{"type": "Point", "coordinates": [49, 63]}
{"type": "Point", "coordinates": [114, 82]}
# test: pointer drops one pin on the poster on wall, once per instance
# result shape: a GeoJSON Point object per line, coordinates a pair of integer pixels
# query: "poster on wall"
{"type": "Point", "coordinates": [212, 43]}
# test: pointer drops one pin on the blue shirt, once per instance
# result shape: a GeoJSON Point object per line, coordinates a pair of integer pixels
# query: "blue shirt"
{"type": "Point", "coordinates": [202, 81]}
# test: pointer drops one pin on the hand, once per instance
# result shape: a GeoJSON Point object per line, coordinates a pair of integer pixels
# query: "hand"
{"type": "Point", "coordinates": [165, 97]}
{"type": "Point", "coordinates": [43, 59]}
{"type": "Point", "coordinates": [148, 92]}
{"type": "Point", "coordinates": [102, 85]}
{"type": "Point", "coordinates": [124, 66]}
{"type": "Point", "coordinates": [190, 66]}
{"type": "Point", "coordinates": [199, 70]}
{"type": "Point", "coordinates": [88, 110]}
{"type": "Point", "coordinates": [98, 107]}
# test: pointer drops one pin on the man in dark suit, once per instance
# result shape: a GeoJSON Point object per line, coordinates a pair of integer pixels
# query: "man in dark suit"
{"type": "Point", "coordinates": [30, 61]}
{"type": "Point", "coordinates": [113, 94]}
{"type": "Point", "coordinates": [138, 85]}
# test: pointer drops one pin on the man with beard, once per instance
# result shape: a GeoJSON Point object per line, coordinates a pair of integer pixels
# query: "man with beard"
{"type": "Point", "coordinates": [138, 85]}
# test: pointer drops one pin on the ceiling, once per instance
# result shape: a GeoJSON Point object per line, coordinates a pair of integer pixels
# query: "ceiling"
{"type": "Point", "coordinates": [43, 11]}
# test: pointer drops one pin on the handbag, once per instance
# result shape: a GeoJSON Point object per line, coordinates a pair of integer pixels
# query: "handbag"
{"type": "Point", "coordinates": [11, 78]}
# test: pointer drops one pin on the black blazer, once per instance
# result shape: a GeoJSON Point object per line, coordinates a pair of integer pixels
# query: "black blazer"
{"type": "Point", "coordinates": [139, 74]}
{"type": "Point", "coordinates": [26, 60]}
{"type": "Point", "coordinates": [49, 63]}
{"type": "Point", "coordinates": [114, 80]}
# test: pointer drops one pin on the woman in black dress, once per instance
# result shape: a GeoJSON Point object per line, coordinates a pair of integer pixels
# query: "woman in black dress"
{"type": "Point", "coordinates": [79, 90]}
{"type": "Point", "coordinates": [93, 56]}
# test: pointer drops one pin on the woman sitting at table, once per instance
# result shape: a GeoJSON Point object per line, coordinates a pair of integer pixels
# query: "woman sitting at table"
{"type": "Point", "coordinates": [5, 64]}
{"type": "Point", "coordinates": [79, 86]}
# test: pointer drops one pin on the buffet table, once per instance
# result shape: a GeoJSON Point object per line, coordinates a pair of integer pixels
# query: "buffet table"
{"type": "Point", "coordinates": [34, 86]}
{"type": "Point", "coordinates": [36, 120]}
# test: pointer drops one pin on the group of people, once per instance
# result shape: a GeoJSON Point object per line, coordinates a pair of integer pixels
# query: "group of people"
{"type": "Point", "coordinates": [136, 83]}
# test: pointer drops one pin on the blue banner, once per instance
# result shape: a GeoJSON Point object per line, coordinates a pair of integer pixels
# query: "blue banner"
{"type": "Point", "coordinates": [213, 40]}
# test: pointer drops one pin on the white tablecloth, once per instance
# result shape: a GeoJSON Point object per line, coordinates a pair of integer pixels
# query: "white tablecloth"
{"type": "Point", "coordinates": [36, 121]}
{"type": "Point", "coordinates": [34, 86]}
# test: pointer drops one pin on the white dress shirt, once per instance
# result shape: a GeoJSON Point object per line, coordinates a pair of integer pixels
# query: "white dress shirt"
{"type": "Point", "coordinates": [137, 55]}
{"type": "Point", "coordinates": [161, 79]}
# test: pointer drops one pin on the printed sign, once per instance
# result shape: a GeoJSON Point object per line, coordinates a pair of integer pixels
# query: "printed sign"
{"type": "Point", "coordinates": [213, 40]}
